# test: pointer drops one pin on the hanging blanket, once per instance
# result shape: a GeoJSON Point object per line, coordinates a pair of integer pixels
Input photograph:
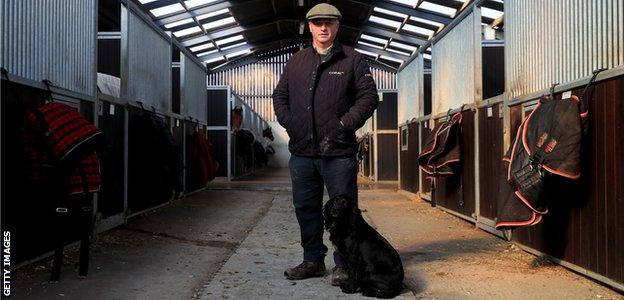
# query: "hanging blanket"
{"type": "Point", "coordinates": [547, 143]}
{"type": "Point", "coordinates": [59, 146]}
{"type": "Point", "coordinates": [64, 129]}
{"type": "Point", "coordinates": [441, 155]}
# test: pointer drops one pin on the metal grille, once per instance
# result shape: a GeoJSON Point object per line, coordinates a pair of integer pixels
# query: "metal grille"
{"type": "Point", "coordinates": [410, 82]}
{"type": "Point", "coordinates": [559, 41]}
{"type": "Point", "coordinates": [193, 89]}
{"type": "Point", "coordinates": [148, 59]}
{"type": "Point", "coordinates": [254, 83]}
{"type": "Point", "coordinates": [52, 40]}
{"type": "Point", "coordinates": [453, 65]}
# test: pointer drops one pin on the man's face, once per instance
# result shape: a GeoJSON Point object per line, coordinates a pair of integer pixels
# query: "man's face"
{"type": "Point", "coordinates": [323, 30]}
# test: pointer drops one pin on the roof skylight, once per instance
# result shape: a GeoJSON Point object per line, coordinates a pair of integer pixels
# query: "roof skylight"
{"type": "Point", "coordinates": [421, 20]}
{"type": "Point", "coordinates": [366, 52]}
{"type": "Point", "coordinates": [216, 59]}
{"type": "Point", "coordinates": [438, 8]}
{"type": "Point", "coordinates": [202, 47]}
{"type": "Point", "coordinates": [390, 12]}
{"type": "Point", "coordinates": [398, 52]}
{"type": "Point", "coordinates": [411, 3]}
{"type": "Point", "coordinates": [416, 29]}
{"type": "Point", "coordinates": [490, 13]}
{"type": "Point", "coordinates": [370, 45]}
{"type": "Point", "coordinates": [386, 22]}
{"type": "Point", "coordinates": [187, 31]}
{"type": "Point", "coordinates": [219, 23]}
{"type": "Point", "coordinates": [403, 46]}
{"type": "Point", "coordinates": [193, 3]}
{"type": "Point", "coordinates": [230, 39]}
{"type": "Point", "coordinates": [391, 59]}
{"type": "Point", "coordinates": [212, 14]}
{"type": "Point", "coordinates": [373, 39]}
{"type": "Point", "coordinates": [233, 46]}
{"type": "Point", "coordinates": [238, 53]}
{"type": "Point", "coordinates": [165, 10]}
{"type": "Point", "coordinates": [178, 23]}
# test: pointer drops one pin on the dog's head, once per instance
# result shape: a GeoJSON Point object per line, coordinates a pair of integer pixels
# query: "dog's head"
{"type": "Point", "coordinates": [336, 209]}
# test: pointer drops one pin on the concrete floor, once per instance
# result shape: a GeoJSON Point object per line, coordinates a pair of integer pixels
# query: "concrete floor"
{"type": "Point", "coordinates": [235, 239]}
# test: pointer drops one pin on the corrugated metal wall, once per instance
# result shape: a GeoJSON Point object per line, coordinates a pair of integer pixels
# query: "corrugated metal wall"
{"type": "Point", "coordinates": [410, 84]}
{"type": "Point", "coordinates": [193, 89]}
{"type": "Point", "coordinates": [383, 79]}
{"type": "Point", "coordinates": [254, 83]}
{"type": "Point", "coordinates": [59, 46]}
{"type": "Point", "coordinates": [453, 65]}
{"type": "Point", "coordinates": [559, 41]}
{"type": "Point", "coordinates": [146, 63]}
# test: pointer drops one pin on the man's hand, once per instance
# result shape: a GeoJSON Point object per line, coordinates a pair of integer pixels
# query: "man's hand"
{"type": "Point", "coordinates": [337, 139]}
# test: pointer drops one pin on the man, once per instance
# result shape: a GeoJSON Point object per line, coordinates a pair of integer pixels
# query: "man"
{"type": "Point", "coordinates": [324, 95]}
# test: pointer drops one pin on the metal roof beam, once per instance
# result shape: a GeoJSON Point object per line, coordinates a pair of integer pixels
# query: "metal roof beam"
{"type": "Point", "coordinates": [390, 34]}
{"type": "Point", "coordinates": [381, 52]}
{"type": "Point", "coordinates": [494, 5]}
{"type": "Point", "coordinates": [414, 12]}
{"type": "Point", "coordinates": [243, 47]}
{"type": "Point", "coordinates": [197, 11]}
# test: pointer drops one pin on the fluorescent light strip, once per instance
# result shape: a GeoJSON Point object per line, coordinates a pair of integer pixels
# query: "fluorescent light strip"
{"type": "Point", "coordinates": [390, 12]}
{"type": "Point", "coordinates": [219, 23]}
{"type": "Point", "coordinates": [165, 10]}
{"type": "Point", "coordinates": [146, 1]}
{"type": "Point", "coordinates": [374, 39]}
{"type": "Point", "coordinates": [426, 56]}
{"type": "Point", "coordinates": [386, 22]}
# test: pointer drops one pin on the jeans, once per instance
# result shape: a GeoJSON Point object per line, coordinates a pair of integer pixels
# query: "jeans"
{"type": "Point", "coordinates": [309, 175]}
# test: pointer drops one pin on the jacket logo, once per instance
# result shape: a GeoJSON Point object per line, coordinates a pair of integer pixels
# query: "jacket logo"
{"type": "Point", "coordinates": [336, 73]}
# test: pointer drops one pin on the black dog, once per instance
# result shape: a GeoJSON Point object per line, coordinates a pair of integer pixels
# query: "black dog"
{"type": "Point", "coordinates": [373, 265]}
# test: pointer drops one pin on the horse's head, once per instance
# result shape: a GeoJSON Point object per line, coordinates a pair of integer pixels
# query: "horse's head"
{"type": "Point", "coordinates": [268, 133]}
{"type": "Point", "coordinates": [237, 118]}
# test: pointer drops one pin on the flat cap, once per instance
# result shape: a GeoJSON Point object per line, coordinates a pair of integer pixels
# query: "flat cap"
{"type": "Point", "coordinates": [323, 11]}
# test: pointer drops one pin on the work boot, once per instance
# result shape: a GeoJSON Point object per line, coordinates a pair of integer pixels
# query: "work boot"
{"type": "Point", "coordinates": [305, 270]}
{"type": "Point", "coordinates": [339, 275]}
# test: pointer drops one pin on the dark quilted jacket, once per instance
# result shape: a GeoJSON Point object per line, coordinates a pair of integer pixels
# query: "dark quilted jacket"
{"type": "Point", "coordinates": [313, 96]}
